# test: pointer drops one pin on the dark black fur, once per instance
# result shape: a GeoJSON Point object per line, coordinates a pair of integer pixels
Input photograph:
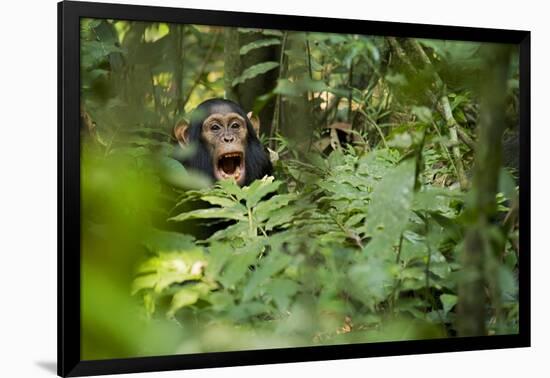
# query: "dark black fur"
{"type": "Point", "coordinates": [257, 163]}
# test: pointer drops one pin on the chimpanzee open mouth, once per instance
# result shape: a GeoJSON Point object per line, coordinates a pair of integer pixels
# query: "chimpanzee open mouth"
{"type": "Point", "coordinates": [230, 165]}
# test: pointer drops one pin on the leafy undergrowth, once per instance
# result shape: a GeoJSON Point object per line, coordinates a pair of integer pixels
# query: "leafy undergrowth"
{"type": "Point", "coordinates": [349, 248]}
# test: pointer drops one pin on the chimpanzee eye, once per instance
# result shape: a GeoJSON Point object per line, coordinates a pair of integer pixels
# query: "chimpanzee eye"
{"type": "Point", "coordinates": [235, 125]}
{"type": "Point", "coordinates": [215, 127]}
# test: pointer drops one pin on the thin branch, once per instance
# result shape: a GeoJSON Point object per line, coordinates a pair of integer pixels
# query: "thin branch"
{"type": "Point", "coordinates": [349, 233]}
{"type": "Point", "coordinates": [401, 54]}
{"type": "Point", "coordinates": [453, 133]}
{"type": "Point", "coordinates": [371, 122]}
{"type": "Point", "coordinates": [399, 249]}
{"type": "Point", "coordinates": [278, 102]}
{"type": "Point", "coordinates": [449, 157]}
{"type": "Point", "coordinates": [201, 70]}
{"type": "Point", "coordinates": [308, 50]}
{"type": "Point", "coordinates": [466, 138]}
{"type": "Point", "coordinates": [179, 69]}
{"type": "Point", "coordinates": [445, 106]}
{"type": "Point", "coordinates": [350, 95]}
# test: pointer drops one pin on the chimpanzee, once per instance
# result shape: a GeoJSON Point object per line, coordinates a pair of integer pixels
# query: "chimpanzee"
{"type": "Point", "coordinates": [227, 144]}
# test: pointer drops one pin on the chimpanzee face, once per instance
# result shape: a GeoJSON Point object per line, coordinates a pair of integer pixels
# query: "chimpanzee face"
{"type": "Point", "coordinates": [225, 136]}
{"type": "Point", "coordinates": [227, 142]}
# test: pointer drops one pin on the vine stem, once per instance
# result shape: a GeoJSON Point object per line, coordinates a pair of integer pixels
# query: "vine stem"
{"type": "Point", "coordinates": [278, 103]}
{"type": "Point", "coordinates": [453, 125]}
{"type": "Point", "coordinates": [251, 230]}
{"type": "Point", "coordinates": [445, 148]}
{"type": "Point", "coordinates": [371, 122]}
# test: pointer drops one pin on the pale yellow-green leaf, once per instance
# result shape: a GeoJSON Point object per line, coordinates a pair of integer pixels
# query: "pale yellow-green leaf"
{"type": "Point", "coordinates": [184, 297]}
{"type": "Point", "coordinates": [212, 213]}
{"type": "Point", "coordinates": [144, 282]}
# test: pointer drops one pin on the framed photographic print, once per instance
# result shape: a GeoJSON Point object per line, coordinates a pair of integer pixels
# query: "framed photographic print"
{"type": "Point", "coordinates": [239, 188]}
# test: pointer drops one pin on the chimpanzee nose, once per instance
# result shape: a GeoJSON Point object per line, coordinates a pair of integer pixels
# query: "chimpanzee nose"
{"type": "Point", "coordinates": [228, 138]}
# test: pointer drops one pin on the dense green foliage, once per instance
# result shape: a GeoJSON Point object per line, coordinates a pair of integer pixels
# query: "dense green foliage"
{"type": "Point", "coordinates": [357, 237]}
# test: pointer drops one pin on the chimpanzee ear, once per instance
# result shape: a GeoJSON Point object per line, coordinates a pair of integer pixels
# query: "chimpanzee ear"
{"type": "Point", "coordinates": [181, 133]}
{"type": "Point", "coordinates": [255, 121]}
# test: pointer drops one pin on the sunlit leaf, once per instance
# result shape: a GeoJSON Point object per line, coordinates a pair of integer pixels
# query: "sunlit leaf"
{"type": "Point", "coordinates": [220, 201]}
{"type": "Point", "coordinates": [258, 44]}
{"type": "Point", "coordinates": [252, 72]}
{"type": "Point", "coordinates": [259, 189]}
{"type": "Point", "coordinates": [186, 296]}
{"type": "Point", "coordinates": [173, 172]}
{"type": "Point", "coordinates": [211, 213]}
{"type": "Point", "coordinates": [449, 301]}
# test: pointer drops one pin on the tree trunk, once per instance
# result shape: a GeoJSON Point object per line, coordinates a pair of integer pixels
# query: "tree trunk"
{"type": "Point", "coordinates": [261, 84]}
{"type": "Point", "coordinates": [245, 94]}
{"type": "Point", "coordinates": [232, 62]}
{"type": "Point", "coordinates": [477, 245]}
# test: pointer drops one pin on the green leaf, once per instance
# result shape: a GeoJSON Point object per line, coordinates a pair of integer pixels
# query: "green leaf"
{"type": "Point", "coordinates": [144, 282]}
{"type": "Point", "coordinates": [269, 266]}
{"type": "Point", "coordinates": [221, 301]}
{"type": "Point", "coordinates": [149, 303]}
{"type": "Point", "coordinates": [161, 271]}
{"type": "Point", "coordinates": [184, 297]}
{"type": "Point", "coordinates": [218, 255]}
{"type": "Point", "coordinates": [436, 200]}
{"type": "Point", "coordinates": [371, 281]}
{"type": "Point", "coordinates": [234, 231]}
{"type": "Point", "coordinates": [237, 268]}
{"type": "Point", "coordinates": [212, 213]}
{"type": "Point", "coordinates": [354, 220]}
{"type": "Point", "coordinates": [270, 32]}
{"type": "Point", "coordinates": [264, 209]}
{"type": "Point", "coordinates": [231, 187]}
{"type": "Point", "coordinates": [174, 173]}
{"type": "Point", "coordinates": [423, 113]}
{"type": "Point", "coordinates": [164, 241]}
{"type": "Point", "coordinates": [280, 217]}
{"type": "Point", "coordinates": [508, 284]}
{"type": "Point", "coordinates": [507, 184]}
{"type": "Point", "coordinates": [282, 290]}
{"type": "Point", "coordinates": [258, 44]}
{"type": "Point", "coordinates": [255, 70]}
{"type": "Point", "coordinates": [276, 33]}
{"type": "Point", "coordinates": [220, 201]}
{"type": "Point", "coordinates": [245, 311]}
{"type": "Point", "coordinates": [449, 301]}
{"type": "Point", "coordinates": [166, 279]}
{"type": "Point", "coordinates": [396, 79]}
{"type": "Point", "coordinates": [297, 88]}
{"type": "Point", "coordinates": [259, 189]}
{"type": "Point", "coordinates": [239, 261]}
{"type": "Point", "coordinates": [389, 210]}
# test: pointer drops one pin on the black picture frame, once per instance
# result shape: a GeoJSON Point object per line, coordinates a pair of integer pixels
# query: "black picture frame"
{"type": "Point", "coordinates": [69, 362]}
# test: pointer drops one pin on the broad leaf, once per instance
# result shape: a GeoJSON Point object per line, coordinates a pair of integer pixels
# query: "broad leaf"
{"type": "Point", "coordinates": [212, 213]}
{"type": "Point", "coordinates": [186, 296]}
{"type": "Point", "coordinates": [257, 44]}
{"type": "Point", "coordinates": [259, 189]}
{"type": "Point", "coordinates": [255, 70]}
{"type": "Point", "coordinates": [389, 210]}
